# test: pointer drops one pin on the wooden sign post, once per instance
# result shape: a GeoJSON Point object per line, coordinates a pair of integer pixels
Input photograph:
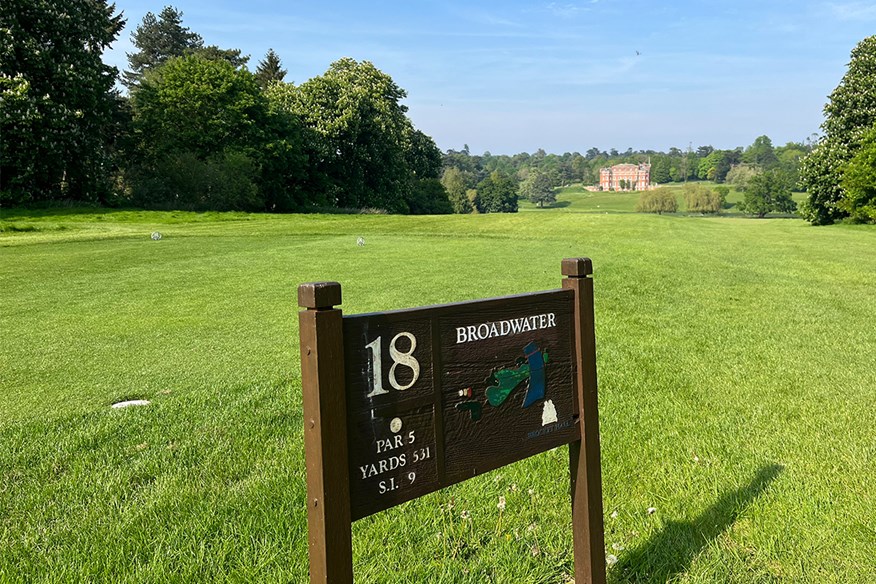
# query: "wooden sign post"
{"type": "Point", "coordinates": [403, 403]}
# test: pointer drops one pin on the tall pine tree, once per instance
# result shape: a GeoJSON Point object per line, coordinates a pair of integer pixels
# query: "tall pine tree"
{"type": "Point", "coordinates": [157, 40]}
{"type": "Point", "coordinates": [269, 69]}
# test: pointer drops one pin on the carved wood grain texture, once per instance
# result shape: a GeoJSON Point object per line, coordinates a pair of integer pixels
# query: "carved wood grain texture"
{"type": "Point", "coordinates": [584, 455]}
{"type": "Point", "coordinates": [325, 434]}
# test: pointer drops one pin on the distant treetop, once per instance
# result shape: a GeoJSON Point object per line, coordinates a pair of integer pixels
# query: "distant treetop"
{"type": "Point", "coordinates": [269, 69]}
{"type": "Point", "coordinates": [157, 40]}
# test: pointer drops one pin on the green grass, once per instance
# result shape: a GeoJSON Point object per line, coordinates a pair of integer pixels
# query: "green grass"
{"type": "Point", "coordinates": [736, 396]}
{"type": "Point", "coordinates": [576, 199]}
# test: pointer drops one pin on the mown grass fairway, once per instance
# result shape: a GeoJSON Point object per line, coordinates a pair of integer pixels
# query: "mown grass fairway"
{"type": "Point", "coordinates": [736, 376]}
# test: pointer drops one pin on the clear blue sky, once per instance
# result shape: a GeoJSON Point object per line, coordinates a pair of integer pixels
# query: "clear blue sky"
{"type": "Point", "coordinates": [516, 76]}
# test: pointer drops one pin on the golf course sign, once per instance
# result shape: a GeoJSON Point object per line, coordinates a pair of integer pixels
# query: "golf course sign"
{"type": "Point", "coordinates": [399, 404]}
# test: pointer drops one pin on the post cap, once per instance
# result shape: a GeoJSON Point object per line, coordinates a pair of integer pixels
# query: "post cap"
{"type": "Point", "coordinates": [577, 267]}
{"type": "Point", "coordinates": [319, 294]}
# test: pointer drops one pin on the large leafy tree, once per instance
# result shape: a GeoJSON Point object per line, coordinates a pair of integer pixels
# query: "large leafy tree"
{"type": "Point", "coordinates": [356, 109]}
{"type": "Point", "coordinates": [859, 181]}
{"type": "Point", "coordinates": [497, 194]}
{"type": "Point", "coordinates": [422, 155]}
{"type": "Point", "coordinates": [214, 119]}
{"type": "Point", "coordinates": [198, 105]}
{"type": "Point", "coordinates": [307, 187]}
{"type": "Point", "coordinates": [766, 192]}
{"type": "Point", "coordinates": [538, 188]}
{"type": "Point", "coordinates": [456, 183]}
{"type": "Point", "coordinates": [57, 104]}
{"type": "Point", "coordinates": [850, 112]}
{"type": "Point", "coordinates": [426, 194]}
{"type": "Point", "coordinates": [718, 163]}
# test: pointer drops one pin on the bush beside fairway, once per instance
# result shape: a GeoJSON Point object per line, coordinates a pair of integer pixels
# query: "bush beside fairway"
{"type": "Point", "coordinates": [736, 390]}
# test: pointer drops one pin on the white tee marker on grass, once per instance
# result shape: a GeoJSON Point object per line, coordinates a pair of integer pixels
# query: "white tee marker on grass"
{"type": "Point", "coordinates": [129, 403]}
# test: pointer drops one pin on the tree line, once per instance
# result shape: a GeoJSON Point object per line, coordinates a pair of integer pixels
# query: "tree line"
{"type": "Point", "coordinates": [764, 192]}
{"type": "Point", "coordinates": [539, 174]}
{"type": "Point", "coordinates": [837, 170]}
{"type": "Point", "coordinates": [197, 130]}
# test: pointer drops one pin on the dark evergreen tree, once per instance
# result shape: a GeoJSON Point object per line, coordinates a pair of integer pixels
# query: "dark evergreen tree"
{"type": "Point", "coordinates": [726, 162]}
{"type": "Point", "coordinates": [497, 194]}
{"type": "Point", "coordinates": [157, 40]}
{"type": "Point", "coordinates": [761, 153]}
{"type": "Point", "coordinates": [428, 197]}
{"type": "Point", "coordinates": [57, 104]}
{"type": "Point", "coordinates": [214, 53]}
{"type": "Point", "coordinates": [660, 169]}
{"type": "Point", "coordinates": [269, 69]}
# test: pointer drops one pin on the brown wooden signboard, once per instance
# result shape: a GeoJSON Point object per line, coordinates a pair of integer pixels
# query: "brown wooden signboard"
{"type": "Point", "coordinates": [400, 404]}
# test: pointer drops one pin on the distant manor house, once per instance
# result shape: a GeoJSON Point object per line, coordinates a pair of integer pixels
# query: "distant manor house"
{"type": "Point", "coordinates": [626, 177]}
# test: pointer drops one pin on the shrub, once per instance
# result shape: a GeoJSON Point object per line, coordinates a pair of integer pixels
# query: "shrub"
{"type": "Point", "coordinates": [700, 199]}
{"type": "Point", "coordinates": [657, 201]}
{"type": "Point", "coordinates": [226, 182]}
{"type": "Point", "coordinates": [427, 196]}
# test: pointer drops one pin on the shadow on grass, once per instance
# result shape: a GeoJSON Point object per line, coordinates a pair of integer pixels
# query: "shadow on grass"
{"type": "Point", "coordinates": [670, 552]}
{"type": "Point", "coordinates": [57, 209]}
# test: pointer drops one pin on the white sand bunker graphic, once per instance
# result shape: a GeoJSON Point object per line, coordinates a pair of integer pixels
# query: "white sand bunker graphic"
{"type": "Point", "coordinates": [549, 413]}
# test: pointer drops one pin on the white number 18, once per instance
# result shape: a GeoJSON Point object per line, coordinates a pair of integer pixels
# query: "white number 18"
{"type": "Point", "coordinates": [398, 358]}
